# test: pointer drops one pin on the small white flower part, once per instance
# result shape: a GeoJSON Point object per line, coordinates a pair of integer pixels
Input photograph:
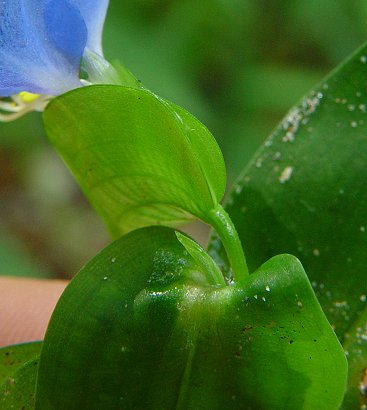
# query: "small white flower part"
{"type": "Point", "coordinates": [19, 104]}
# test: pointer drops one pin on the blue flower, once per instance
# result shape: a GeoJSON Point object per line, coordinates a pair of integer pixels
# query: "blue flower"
{"type": "Point", "coordinates": [42, 43]}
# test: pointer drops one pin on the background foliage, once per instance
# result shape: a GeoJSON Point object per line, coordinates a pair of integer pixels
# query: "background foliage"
{"type": "Point", "coordinates": [238, 65]}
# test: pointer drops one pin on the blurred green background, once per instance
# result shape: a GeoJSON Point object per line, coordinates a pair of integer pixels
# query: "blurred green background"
{"type": "Point", "coordinates": [238, 65]}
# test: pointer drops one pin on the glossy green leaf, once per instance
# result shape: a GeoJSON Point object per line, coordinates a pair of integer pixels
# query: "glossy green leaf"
{"type": "Point", "coordinates": [139, 160]}
{"type": "Point", "coordinates": [18, 373]}
{"type": "Point", "coordinates": [139, 327]}
{"type": "Point", "coordinates": [305, 193]}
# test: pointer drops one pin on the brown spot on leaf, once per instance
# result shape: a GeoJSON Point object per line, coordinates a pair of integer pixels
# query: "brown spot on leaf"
{"type": "Point", "coordinates": [247, 328]}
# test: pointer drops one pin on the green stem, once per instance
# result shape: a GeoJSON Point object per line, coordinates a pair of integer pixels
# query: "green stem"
{"type": "Point", "coordinates": [223, 224]}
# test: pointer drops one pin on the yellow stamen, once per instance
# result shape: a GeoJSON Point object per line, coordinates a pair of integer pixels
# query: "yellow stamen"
{"type": "Point", "coordinates": [28, 97]}
{"type": "Point", "coordinates": [19, 104]}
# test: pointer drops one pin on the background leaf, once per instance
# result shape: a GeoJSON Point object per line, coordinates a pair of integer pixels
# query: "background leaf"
{"type": "Point", "coordinates": [18, 372]}
{"type": "Point", "coordinates": [139, 161]}
{"type": "Point", "coordinates": [18, 392]}
{"type": "Point", "coordinates": [12, 357]}
{"type": "Point", "coordinates": [15, 260]}
{"type": "Point", "coordinates": [305, 193]}
{"type": "Point", "coordinates": [356, 348]}
{"type": "Point", "coordinates": [136, 328]}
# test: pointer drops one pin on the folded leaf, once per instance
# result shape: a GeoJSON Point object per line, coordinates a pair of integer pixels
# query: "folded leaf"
{"type": "Point", "coordinates": [140, 327]}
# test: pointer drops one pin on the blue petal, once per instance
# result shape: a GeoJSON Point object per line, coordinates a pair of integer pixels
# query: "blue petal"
{"type": "Point", "coordinates": [41, 44]}
{"type": "Point", "coordinates": [10, 84]}
{"type": "Point", "coordinates": [66, 29]}
{"type": "Point", "coordinates": [94, 14]}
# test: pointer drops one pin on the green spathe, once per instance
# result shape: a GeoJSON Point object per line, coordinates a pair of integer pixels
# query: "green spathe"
{"type": "Point", "coordinates": [140, 160]}
{"type": "Point", "coordinates": [136, 329]}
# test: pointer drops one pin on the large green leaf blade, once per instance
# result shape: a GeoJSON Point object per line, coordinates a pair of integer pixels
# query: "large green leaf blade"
{"type": "Point", "coordinates": [139, 159]}
{"type": "Point", "coordinates": [305, 193]}
{"type": "Point", "coordinates": [139, 327]}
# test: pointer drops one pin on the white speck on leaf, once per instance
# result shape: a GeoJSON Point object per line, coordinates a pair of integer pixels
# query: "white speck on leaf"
{"type": "Point", "coordinates": [286, 174]}
{"type": "Point", "coordinates": [341, 304]}
{"type": "Point", "coordinates": [238, 189]}
{"type": "Point", "coordinates": [268, 143]}
{"type": "Point", "coordinates": [276, 156]}
{"type": "Point", "coordinates": [289, 136]}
